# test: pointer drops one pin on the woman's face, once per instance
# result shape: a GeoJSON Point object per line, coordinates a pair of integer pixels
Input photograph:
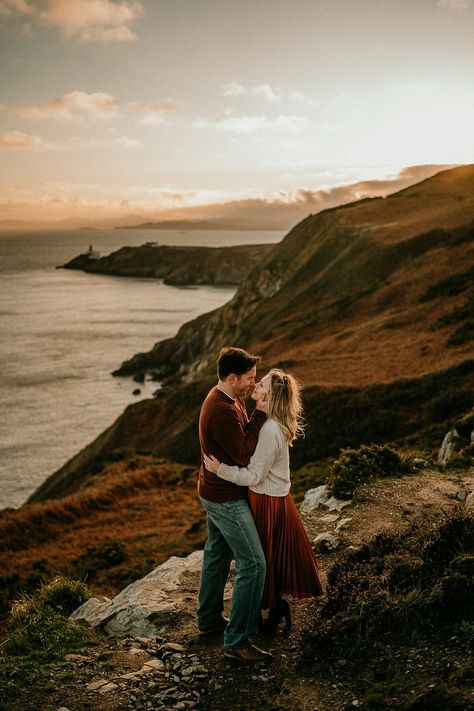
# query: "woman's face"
{"type": "Point", "coordinates": [261, 391]}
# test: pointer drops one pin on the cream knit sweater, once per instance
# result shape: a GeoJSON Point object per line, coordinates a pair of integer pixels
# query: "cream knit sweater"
{"type": "Point", "coordinates": [268, 471]}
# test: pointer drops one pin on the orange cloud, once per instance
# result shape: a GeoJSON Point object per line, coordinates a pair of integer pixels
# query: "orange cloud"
{"type": "Point", "coordinates": [25, 141]}
{"type": "Point", "coordinates": [80, 106]}
{"type": "Point", "coordinates": [154, 113]}
{"type": "Point", "coordinates": [84, 20]}
{"type": "Point", "coordinates": [74, 106]}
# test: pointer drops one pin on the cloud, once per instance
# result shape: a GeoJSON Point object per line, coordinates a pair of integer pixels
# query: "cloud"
{"type": "Point", "coordinates": [82, 107]}
{"type": "Point", "coordinates": [10, 8]}
{"type": "Point", "coordinates": [74, 106]}
{"type": "Point", "coordinates": [152, 114]}
{"type": "Point", "coordinates": [254, 124]}
{"type": "Point", "coordinates": [455, 4]}
{"type": "Point", "coordinates": [84, 20]}
{"type": "Point", "coordinates": [264, 91]}
{"type": "Point", "coordinates": [97, 204]}
{"type": "Point", "coordinates": [269, 93]}
{"type": "Point", "coordinates": [18, 140]}
{"type": "Point", "coordinates": [123, 142]}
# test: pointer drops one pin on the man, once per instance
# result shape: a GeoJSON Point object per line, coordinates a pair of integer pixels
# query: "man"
{"type": "Point", "coordinates": [226, 432]}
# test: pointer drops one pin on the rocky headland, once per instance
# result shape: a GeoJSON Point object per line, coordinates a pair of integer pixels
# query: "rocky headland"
{"type": "Point", "coordinates": [178, 266]}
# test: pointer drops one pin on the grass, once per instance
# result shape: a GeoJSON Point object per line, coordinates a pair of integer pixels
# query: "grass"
{"type": "Point", "coordinates": [38, 635]}
{"type": "Point", "coordinates": [127, 519]}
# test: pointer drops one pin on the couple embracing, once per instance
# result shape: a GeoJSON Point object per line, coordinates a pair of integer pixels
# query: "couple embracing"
{"type": "Point", "coordinates": [244, 486]}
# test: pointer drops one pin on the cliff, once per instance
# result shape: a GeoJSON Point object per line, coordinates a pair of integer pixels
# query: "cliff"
{"type": "Point", "coordinates": [370, 304]}
{"type": "Point", "coordinates": [179, 266]}
{"type": "Point", "coordinates": [354, 301]}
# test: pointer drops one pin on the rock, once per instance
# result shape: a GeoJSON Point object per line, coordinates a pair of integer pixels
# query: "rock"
{"type": "Point", "coordinates": [461, 495]}
{"type": "Point", "coordinates": [76, 658]}
{"type": "Point", "coordinates": [146, 605]}
{"type": "Point", "coordinates": [334, 504]}
{"type": "Point", "coordinates": [63, 708]}
{"type": "Point", "coordinates": [136, 651]}
{"type": "Point", "coordinates": [173, 647]}
{"type": "Point", "coordinates": [326, 541]}
{"type": "Point", "coordinates": [343, 522]}
{"type": "Point", "coordinates": [155, 664]}
{"type": "Point", "coordinates": [95, 685]}
{"type": "Point", "coordinates": [110, 686]}
{"type": "Point", "coordinates": [448, 446]}
{"type": "Point", "coordinates": [314, 498]}
{"type": "Point", "coordinates": [420, 462]}
{"type": "Point", "coordinates": [329, 518]}
{"type": "Point", "coordinates": [470, 501]}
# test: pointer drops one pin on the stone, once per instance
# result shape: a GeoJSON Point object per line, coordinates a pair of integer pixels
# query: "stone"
{"type": "Point", "coordinates": [136, 651]}
{"type": "Point", "coordinates": [334, 504]}
{"type": "Point", "coordinates": [173, 647]}
{"type": "Point", "coordinates": [330, 518]}
{"type": "Point", "coordinates": [110, 686]}
{"type": "Point", "coordinates": [155, 664]}
{"type": "Point", "coordinates": [448, 446]}
{"type": "Point", "coordinates": [343, 522]}
{"type": "Point", "coordinates": [76, 658]}
{"type": "Point", "coordinates": [146, 605]}
{"type": "Point", "coordinates": [95, 685]}
{"type": "Point", "coordinates": [314, 498]}
{"type": "Point", "coordinates": [420, 462]}
{"type": "Point", "coordinates": [326, 541]}
{"type": "Point", "coordinates": [63, 708]}
{"type": "Point", "coordinates": [461, 495]}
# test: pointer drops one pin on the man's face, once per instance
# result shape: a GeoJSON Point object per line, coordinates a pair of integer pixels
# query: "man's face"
{"type": "Point", "coordinates": [243, 384]}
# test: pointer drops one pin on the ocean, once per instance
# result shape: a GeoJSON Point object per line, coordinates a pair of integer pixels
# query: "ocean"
{"type": "Point", "coordinates": [64, 332]}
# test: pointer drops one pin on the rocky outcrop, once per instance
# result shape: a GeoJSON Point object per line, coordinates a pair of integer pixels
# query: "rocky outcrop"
{"type": "Point", "coordinates": [448, 446]}
{"type": "Point", "coordinates": [148, 605]}
{"type": "Point", "coordinates": [179, 266]}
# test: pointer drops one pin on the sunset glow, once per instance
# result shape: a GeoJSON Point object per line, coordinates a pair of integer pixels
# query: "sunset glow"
{"type": "Point", "coordinates": [111, 111]}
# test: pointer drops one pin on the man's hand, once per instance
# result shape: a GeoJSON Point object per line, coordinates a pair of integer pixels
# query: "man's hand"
{"type": "Point", "coordinates": [211, 463]}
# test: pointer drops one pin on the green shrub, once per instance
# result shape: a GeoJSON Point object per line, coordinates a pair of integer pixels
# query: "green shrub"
{"type": "Point", "coordinates": [359, 466]}
{"type": "Point", "coordinates": [37, 622]}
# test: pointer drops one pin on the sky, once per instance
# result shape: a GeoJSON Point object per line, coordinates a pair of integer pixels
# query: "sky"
{"type": "Point", "coordinates": [112, 110]}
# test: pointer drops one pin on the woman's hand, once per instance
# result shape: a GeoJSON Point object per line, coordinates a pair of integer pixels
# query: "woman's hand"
{"type": "Point", "coordinates": [211, 463]}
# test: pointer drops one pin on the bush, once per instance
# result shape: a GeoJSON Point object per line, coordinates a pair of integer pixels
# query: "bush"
{"type": "Point", "coordinates": [415, 584]}
{"type": "Point", "coordinates": [38, 622]}
{"type": "Point", "coordinates": [359, 466]}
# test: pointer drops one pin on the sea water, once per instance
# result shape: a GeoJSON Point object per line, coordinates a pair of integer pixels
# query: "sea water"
{"type": "Point", "coordinates": [63, 332]}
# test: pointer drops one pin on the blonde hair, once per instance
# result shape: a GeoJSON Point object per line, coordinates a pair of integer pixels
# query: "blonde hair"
{"type": "Point", "coordinates": [285, 404]}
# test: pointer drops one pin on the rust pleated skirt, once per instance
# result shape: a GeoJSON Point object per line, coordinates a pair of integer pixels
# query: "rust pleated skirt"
{"type": "Point", "coordinates": [291, 564]}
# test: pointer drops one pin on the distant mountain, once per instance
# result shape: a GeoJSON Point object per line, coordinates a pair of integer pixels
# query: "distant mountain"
{"type": "Point", "coordinates": [194, 225]}
{"type": "Point", "coordinates": [370, 304]}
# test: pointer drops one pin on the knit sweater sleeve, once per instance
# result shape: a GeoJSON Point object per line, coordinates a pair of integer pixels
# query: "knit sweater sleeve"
{"type": "Point", "coordinates": [268, 447]}
{"type": "Point", "coordinates": [237, 439]}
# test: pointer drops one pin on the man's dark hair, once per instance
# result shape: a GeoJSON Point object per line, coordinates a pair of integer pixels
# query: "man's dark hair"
{"type": "Point", "coordinates": [235, 360]}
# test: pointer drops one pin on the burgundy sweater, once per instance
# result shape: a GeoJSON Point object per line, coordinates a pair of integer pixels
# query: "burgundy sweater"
{"type": "Point", "coordinates": [226, 432]}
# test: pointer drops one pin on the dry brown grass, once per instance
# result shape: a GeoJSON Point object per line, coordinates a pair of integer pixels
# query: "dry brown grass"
{"type": "Point", "coordinates": [153, 511]}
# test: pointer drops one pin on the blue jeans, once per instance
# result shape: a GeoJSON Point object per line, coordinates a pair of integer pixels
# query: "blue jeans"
{"type": "Point", "coordinates": [231, 534]}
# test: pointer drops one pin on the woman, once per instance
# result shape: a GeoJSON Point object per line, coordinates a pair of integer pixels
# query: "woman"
{"type": "Point", "coordinates": [291, 563]}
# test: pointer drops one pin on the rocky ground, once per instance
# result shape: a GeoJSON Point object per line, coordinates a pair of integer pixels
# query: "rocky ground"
{"type": "Point", "coordinates": [175, 669]}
